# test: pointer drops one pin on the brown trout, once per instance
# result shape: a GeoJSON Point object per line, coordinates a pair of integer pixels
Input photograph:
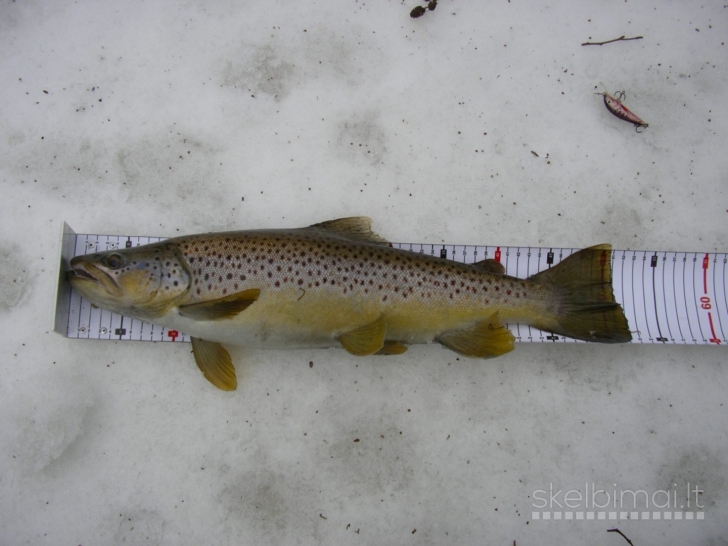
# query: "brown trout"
{"type": "Point", "coordinates": [338, 284]}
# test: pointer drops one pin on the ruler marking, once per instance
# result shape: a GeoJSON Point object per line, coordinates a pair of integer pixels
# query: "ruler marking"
{"type": "Point", "coordinates": [650, 309]}
{"type": "Point", "coordinates": [715, 304]}
{"type": "Point", "coordinates": [666, 296]}
{"type": "Point", "coordinates": [696, 297]}
{"type": "Point", "coordinates": [519, 273]}
{"type": "Point", "coordinates": [641, 327]}
{"type": "Point", "coordinates": [529, 274]}
{"type": "Point", "coordinates": [705, 300]}
{"type": "Point", "coordinates": [712, 329]}
{"type": "Point", "coordinates": [85, 329]}
{"type": "Point", "coordinates": [664, 315]}
{"type": "Point", "coordinates": [716, 300]}
{"type": "Point", "coordinates": [661, 301]}
{"type": "Point", "coordinates": [645, 279]}
{"type": "Point", "coordinates": [674, 293]}
{"type": "Point", "coordinates": [654, 296]}
{"type": "Point", "coordinates": [621, 285]}
{"type": "Point", "coordinates": [706, 305]}
{"type": "Point", "coordinates": [695, 300]}
{"type": "Point", "coordinates": [717, 287]}
{"type": "Point", "coordinates": [634, 300]}
{"type": "Point", "coordinates": [685, 298]}
{"type": "Point", "coordinates": [653, 264]}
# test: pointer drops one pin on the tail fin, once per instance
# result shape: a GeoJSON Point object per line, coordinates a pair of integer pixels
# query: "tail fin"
{"type": "Point", "coordinates": [585, 304]}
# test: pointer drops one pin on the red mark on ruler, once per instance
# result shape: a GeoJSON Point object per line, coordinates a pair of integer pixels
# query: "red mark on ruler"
{"type": "Point", "coordinates": [714, 339]}
{"type": "Point", "coordinates": [497, 254]}
{"type": "Point", "coordinates": [173, 334]}
{"type": "Point", "coordinates": [705, 300]}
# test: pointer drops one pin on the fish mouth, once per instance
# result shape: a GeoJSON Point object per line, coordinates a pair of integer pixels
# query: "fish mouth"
{"type": "Point", "coordinates": [79, 274]}
{"type": "Point", "coordinates": [84, 272]}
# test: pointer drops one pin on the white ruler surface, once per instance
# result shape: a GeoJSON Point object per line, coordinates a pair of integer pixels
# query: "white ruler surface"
{"type": "Point", "coordinates": [668, 297]}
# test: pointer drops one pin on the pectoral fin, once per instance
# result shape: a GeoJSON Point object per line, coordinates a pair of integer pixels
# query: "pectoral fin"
{"type": "Point", "coordinates": [392, 348]}
{"type": "Point", "coordinates": [221, 308]}
{"type": "Point", "coordinates": [487, 339]}
{"type": "Point", "coordinates": [214, 362]}
{"type": "Point", "coordinates": [366, 340]}
{"type": "Point", "coordinates": [491, 266]}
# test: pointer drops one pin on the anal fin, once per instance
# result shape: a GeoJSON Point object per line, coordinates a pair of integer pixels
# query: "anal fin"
{"type": "Point", "coordinates": [366, 340]}
{"type": "Point", "coordinates": [221, 308]}
{"type": "Point", "coordinates": [487, 339]}
{"type": "Point", "coordinates": [215, 363]}
{"type": "Point", "coordinates": [392, 348]}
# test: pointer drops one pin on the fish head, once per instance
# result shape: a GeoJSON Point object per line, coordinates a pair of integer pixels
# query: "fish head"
{"type": "Point", "coordinates": [143, 282]}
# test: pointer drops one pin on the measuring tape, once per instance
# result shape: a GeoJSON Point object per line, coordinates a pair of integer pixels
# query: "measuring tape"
{"type": "Point", "coordinates": [668, 297]}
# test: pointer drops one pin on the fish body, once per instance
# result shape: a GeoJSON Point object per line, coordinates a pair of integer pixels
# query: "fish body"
{"type": "Point", "coordinates": [337, 284]}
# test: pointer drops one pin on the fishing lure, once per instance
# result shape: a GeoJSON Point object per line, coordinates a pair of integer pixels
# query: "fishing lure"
{"type": "Point", "coordinates": [615, 106]}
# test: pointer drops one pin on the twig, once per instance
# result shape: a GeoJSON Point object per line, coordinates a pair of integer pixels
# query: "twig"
{"type": "Point", "coordinates": [622, 534]}
{"type": "Point", "coordinates": [620, 39]}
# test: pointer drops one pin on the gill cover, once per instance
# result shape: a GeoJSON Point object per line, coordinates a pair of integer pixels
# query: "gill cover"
{"type": "Point", "coordinates": [142, 282]}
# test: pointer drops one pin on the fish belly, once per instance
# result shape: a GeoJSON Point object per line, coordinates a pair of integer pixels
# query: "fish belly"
{"type": "Point", "coordinates": [315, 318]}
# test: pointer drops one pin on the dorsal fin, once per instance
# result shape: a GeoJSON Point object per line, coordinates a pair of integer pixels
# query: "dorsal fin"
{"type": "Point", "coordinates": [356, 228]}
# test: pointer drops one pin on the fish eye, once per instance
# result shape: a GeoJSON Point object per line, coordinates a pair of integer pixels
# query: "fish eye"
{"type": "Point", "coordinates": [114, 261]}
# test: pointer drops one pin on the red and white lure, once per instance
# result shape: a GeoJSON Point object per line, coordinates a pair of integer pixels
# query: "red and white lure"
{"type": "Point", "coordinates": [615, 106]}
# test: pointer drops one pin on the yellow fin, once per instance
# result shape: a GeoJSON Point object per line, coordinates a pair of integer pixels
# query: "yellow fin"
{"type": "Point", "coordinates": [366, 340]}
{"type": "Point", "coordinates": [491, 266]}
{"type": "Point", "coordinates": [357, 228]}
{"type": "Point", "coordinates": [214, 362]}
{"type": "Point", "coordinates": [221, 308]}
{"type": "Point", "coordinates": [487, 339]}
{"type": "Point", "coordinates": [392, 348]}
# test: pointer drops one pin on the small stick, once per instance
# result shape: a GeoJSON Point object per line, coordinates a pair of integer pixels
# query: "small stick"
{"type": "Point", "coordinates": [622, 534]}
{"type": "Point", "coordinates": [620, 39]}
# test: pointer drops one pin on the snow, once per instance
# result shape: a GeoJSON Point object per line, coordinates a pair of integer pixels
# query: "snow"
{"type": "Point", "coordinates": [165, 118]}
